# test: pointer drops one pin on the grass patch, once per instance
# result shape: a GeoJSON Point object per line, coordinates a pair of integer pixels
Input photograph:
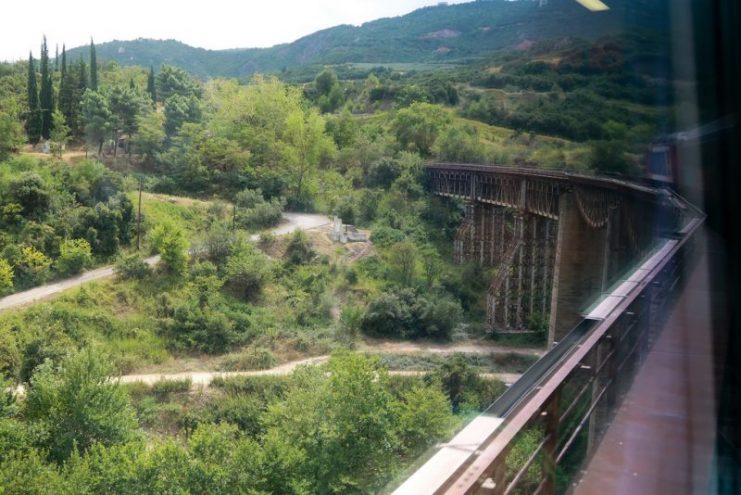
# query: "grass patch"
{"type": "Point", "coordinates": [510, 362]}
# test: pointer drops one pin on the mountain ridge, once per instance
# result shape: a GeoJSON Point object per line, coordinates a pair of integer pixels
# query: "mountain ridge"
{"type": "Point", "coordinates": [434, 34]}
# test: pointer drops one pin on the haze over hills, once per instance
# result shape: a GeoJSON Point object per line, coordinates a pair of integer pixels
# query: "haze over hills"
{"type": "Point", "coordinates": [440, 34]}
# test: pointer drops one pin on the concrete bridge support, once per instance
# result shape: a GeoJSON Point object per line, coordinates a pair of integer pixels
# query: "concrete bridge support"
{"type": "Point", "coordinates": [581, 267]}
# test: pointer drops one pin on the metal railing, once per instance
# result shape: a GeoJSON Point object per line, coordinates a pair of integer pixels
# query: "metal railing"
{"type": "Point", "coordinates": [543, 429]}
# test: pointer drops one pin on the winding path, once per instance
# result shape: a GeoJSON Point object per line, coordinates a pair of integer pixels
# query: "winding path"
{"type": "Point", "coordinates": [204, 378]}
{"type": "Point", "coordinates": [292, 222]}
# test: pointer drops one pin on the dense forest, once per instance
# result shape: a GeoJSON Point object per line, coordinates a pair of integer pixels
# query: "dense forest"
{"type": "Point", "coordinates": [214, 164]}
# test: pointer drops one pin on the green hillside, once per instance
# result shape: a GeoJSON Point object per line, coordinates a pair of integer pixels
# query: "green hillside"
{"type": "Point", "coordinates": [439, 34]}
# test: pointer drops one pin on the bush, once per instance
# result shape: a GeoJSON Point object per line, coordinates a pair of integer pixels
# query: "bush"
{"type": "Point", "coordinates": [75, 255]}
{"type": "Point", "coordinates": [132, 266]}
{"type": "Point", "coordinates": [76, 405]}
{"type": "Point", "coordinates": [195, 326]}
{"type": "Point", "coordinates": [258, 358]}
{"type": "Point", "coordinates": [241, 410]}
{"type": "Point", "coordinates": [33, 267]}
{"type": "Point", "coordinates": [247, 271]}
{"type": "Point", "coordinates": [254, 212]}
{"type": "Point", "coordinates": [164, 388]}
{"type": "Point", "coordinates": [170, 243]}
{"type": "Point", "coordinates": [385, 236]}
{"type": "Point", "coordinates": [6, 277]}
{"type": "Point", "coordinates": [299, 250]}
{"type": "Point", "coordinates": [405, 314]}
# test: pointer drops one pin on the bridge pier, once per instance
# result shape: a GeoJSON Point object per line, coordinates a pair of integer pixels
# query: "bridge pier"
{"type": "Point", "coordinates": [580, 267]}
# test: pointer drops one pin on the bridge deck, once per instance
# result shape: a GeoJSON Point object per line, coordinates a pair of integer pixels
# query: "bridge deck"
{"type": "Point", "coordinates": [661, 440]}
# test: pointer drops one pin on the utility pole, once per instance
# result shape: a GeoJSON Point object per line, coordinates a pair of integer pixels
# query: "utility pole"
{"type": "Point", "coordinates": [139, 217]}
{"type": "Point", "coordinates": [234, 217]}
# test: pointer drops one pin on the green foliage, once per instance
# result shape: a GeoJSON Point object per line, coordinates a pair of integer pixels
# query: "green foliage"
{"type": "Point", "coordinates": [46, 93]}
{"type": "Point", "coordinates": [6, 276]}
{"type": "Point", "coordinates": [254, 212]}
{"type": "Point", "coordinates": [97, 116]}
{"type": "Point", "coordinates": [423, 417]}
{"type": "Point", "coordinates": [179, 110]}
{"type": "Point", "coordinates": [33, 118]}
{"type": "Point", "coordinates": [33, 267]}
{"type": "Point", "coordinates": [163, 389]}
{"type": "Point", "coordinates": [404, 314]}
{"type": "Point", "coordinates": [60, 133]}
{"type": "Point", "coordinates": [30, 192]}
{"type": "Point", "coordinates": [76, 405]}
{"type": "Point", "coordinates": [417, 127]}
{"type": "Point", "coordinates": [11, 133]}
{"type": "Point", "coordinates": [132, 266]}
{"type": "Point", "coordinates": [608, 157]}
{"type": "Point", "coordinates": [463, 386]}
{"type": "Point", "coordinates": [333, 431]}
{"type": "Point", "coordinates": [172, 81]}
{"type": "Point", "coordinates": [246, 271]}
{"type": "Point", "coordinates": [299, 250]}
{"type": "Point", "coordinates": [74, 256]}
{"type": "Point", "coordinates": [258, 358]}
{"type": "Point", "coordinates": [170, 242]}
{"type": "Point", "coordinates": [403, 262]}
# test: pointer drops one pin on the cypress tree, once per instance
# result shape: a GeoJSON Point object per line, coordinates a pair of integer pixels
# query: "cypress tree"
{"type": "Point", "coordinates": [33, 120]}
{"type": "Point", "coordinates": [56, 59]}
{"type": "Point", "coordinates": [82, 82]}
{"type": "Point", "coordinates": [151, 87]}
{"type": "Point", "coordinates": [46, 95]}
{"type": "Point", "coordinates": [68, 102]}
{"type": "Point", "coordinates": [93, 67]}
{"type": "Point", "coordinates": [78, 85]}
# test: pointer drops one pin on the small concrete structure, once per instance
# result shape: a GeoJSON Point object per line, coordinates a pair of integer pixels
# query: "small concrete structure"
{"type": "Point", "coordinates": [346, 233]}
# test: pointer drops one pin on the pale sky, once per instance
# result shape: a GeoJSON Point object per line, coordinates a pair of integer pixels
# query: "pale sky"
{"type": "Point", "coordinates": [213, 24]}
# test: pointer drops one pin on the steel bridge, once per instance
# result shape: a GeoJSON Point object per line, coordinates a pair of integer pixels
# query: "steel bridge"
{"type": "Point", "coordinates": [601, 259]}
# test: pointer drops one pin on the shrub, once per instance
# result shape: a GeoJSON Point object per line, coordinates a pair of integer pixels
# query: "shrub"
{"type": "Point", "coordinates": [75, 255]}
{"type": "Point", "coordinates": [242, 410]}
{"type": "Point", "coordinates": [404, 314]}
{"type": "Point", "coordinates": [255, 212]}
{"type": "Point", "coordinates": [170, 243]}
{"type": "Point", "coordinates": [164, 388]}
{"type": "Point", "coordinates": [246, 271]}
{"type": "Point", "coordinates": [299, 250]}
{"type": "Point", "coordinates": [385, 236]}
{"type": "Point", "coordinates": [198, 327]}
{"type": "Point", "coordinates": [258, 358]}
{"type": "Point", "coordinates": [6, 277]}
{"type": "Point", "coordinates": [33, 267]}
{"type": "Point", "coordinates": [77, 405]}
{"type": "Point", "coordinates": [132, 266]}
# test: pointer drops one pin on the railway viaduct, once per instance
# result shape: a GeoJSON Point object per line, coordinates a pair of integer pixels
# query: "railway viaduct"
{"type": "Point", "coordinates": [600, 259]}
{"type": "Point", "coordinates": [556, 239]}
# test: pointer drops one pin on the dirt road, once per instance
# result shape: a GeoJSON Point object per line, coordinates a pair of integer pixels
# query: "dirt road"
{"type": "Point", "coordinates": [401, 347]}
{"type": "Point", "coordinates": [46, 291]}
{"type": "Point", "coordinates": [204, 378]}
{"type": "Point", "coordinates": [292, 221]}
{"type": "Point", "coordinates": [297, 221]}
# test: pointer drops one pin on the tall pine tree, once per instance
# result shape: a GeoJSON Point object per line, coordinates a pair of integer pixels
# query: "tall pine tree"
{"type": "Point", "coordinates": [46, 95]}
{"type": "Point", "coordinates": [33, 119]}
{"type": "Point", "coordinates": [93, 67]}
{"type": "Point", "coordinates": [69, 95]}
{"type": "Point", "coordinates": [151, 86]}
